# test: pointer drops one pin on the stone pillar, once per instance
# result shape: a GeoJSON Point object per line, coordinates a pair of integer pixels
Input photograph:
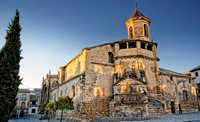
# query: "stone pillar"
{"type": "Point", "coordinates": [154, 51]}
{"type": "Point", "coordinates": [146, 46]}
{"type": "Point", "coordinates": [138, 47]}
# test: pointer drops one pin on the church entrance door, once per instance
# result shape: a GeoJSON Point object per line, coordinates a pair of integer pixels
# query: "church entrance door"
{"type": "Point", "coordinates": [172, 107]}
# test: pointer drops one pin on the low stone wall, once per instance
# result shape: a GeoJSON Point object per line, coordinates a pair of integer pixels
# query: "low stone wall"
{"type": "Point", "coordinates": [155, 112]}
{"type": "Point", "coordinates": [156, 108]}
{"type": "Point", "coordinates": [94, 108]}
{"type": "Point", "coordinates": [116, 119]}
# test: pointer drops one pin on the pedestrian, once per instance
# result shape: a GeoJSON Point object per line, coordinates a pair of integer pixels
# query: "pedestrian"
{"type": "Point", "coordinates": [180, 111]}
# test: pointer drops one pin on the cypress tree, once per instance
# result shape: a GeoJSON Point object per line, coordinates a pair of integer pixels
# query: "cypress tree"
{"type": "Point", "coordinates": [9, 69]}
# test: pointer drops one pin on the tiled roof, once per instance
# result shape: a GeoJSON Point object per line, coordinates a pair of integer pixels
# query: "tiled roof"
{"type": "Point", "coordinates": [24, 91]}
{"type": "Point", "coordinates": [195, 69]}
{"type": "Point", "coordinates": [168, 72]}
{"type": "Point", "coordinates": [137, 13]}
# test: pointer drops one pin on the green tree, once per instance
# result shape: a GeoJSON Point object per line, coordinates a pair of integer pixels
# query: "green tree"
{"type": "Point", "coordinates": [64, 102]}
{"type": "Point", "coordinates": [42, 107]}
{"type": "Point", "coordinates": [50, 107]}
{"type": "Point", "coordinates": [10, 56]}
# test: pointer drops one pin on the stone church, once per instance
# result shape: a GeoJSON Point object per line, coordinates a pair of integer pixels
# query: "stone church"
{"type": "Point", "coordinates": [122, 79]}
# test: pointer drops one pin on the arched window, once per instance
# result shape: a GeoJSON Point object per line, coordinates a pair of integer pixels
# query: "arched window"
{"type": "Point", "coordinates": [111, 58]}
{"type": "Point", "coordinates": [61, 93]}
{"type": "Point", "coordinates": [66, 92]}
{"type": "Point", "coordinates": [130, 34]}
{"type": "Point", "coordinates": [54, 96]}
{"type": "Point", "coordinates": [98, 91]}
{"type": "Point", "coordinates": [146, 30]}
{"type": "Point", "coordinates": [73, 91]}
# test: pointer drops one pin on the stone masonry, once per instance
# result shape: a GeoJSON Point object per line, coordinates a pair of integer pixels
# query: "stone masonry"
{"type": "Point", "coordinates": [122, 79]}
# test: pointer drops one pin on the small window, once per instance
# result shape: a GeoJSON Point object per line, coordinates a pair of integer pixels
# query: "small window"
{"type": "Point", "coordinates": [149, 47]}
{"type": "Point", "coordinates": [32, 110]}
{"type": "Point", "coordinates": [33, 102]}
{"type": "Point", "coordinates": [185, 95]}
{"type": "Point", "coordinates": [24, 97]}
{"type": "Point", "coordinates": [61, 93]}
{"type": "Point", "coordinates": [73, 91]}
{"type": "Point", "coordinates": [146, 30]}
{"type": "Point", "coordinates": [143, 45]}
{"type": "Point", "coordinates": [171, 78]}
{"type": "Point", "coordinates": [196, 74]}
{"type": "Point", "coordinates": [54, 96]}
{"type": "Point", "coordinates": [189, 80]}
{"type": "Point", "coordinates": [66, 92]}
{"type": "Point", "coordinates": [111, 58]}
{"type": "Point", "coordinates": [132, 45]}
{"type": "Point", "coordinates": [176, 90]}
{"type": "Point", "coordinates": [130, 34]}
{"type": "Point", "coordinates": [123, 46]}
{"type": "Point", "coordinates": [189, 74]}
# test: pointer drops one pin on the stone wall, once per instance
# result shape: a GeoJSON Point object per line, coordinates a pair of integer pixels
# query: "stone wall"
{"type": "Point", "coordinates": [138, 63]}
{"type": "Point", "coordinates": [172, 91]}
{"type": "Point", "coordinates": [98, 106]}
{"type": "Point", "coordinates": [98, 83]}
{"type": "Point", "coordinates": [156, 107]}
{"type": "Point", "coordinates": [76, 66]}
{"type": "Point", "coordinates": [73, 89]}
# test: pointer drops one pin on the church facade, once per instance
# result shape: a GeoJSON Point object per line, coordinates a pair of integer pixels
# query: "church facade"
{"type": "Point", "coordinates": [122, 79]}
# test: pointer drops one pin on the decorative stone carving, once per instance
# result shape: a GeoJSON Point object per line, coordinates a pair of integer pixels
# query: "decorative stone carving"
{"type": "Point", "coordinates": [116, 76]}
{"type": "Point", "coordinates": [129, 73]}
{"type": "Point", "coordinates": [142, 75]}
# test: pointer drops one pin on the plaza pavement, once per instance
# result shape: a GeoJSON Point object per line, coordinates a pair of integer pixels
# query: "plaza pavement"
{"type": "Point", "coordinates": [185, 117]}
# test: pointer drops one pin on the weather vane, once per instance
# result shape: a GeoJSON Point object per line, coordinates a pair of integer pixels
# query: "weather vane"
{"type": "Point", "coordinates": [136, 3]}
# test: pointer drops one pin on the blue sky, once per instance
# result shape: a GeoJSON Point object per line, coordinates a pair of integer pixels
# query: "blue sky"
{"type": "Point", "coordinates": [55, 31]}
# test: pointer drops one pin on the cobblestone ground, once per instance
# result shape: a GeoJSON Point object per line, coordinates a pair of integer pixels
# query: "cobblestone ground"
{"type": "Point", "coordinates": [185, 117]}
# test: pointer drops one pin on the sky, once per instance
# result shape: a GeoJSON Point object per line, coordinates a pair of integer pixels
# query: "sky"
{"type": "Point", "coordinates": [55, 31]}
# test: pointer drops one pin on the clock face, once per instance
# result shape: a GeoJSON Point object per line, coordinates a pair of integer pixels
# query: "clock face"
{"type": "Point", "coordinates": [138, 31]}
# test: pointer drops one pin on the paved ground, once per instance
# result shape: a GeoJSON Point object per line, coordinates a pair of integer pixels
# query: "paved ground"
{"type": "Point", "coordinates": [185, 117]}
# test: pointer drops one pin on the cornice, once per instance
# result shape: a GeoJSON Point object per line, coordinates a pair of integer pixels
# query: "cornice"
{"type": "Point", "coordinates": [103, 64]}
{"type": "Point", "coordinates": [137, 56]}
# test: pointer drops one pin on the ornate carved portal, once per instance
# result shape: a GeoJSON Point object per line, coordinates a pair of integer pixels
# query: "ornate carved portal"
{"type": "Point", "coordinates": [130, 99]}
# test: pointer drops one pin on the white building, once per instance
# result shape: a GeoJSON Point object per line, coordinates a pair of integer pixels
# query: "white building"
{"type": "Point", "coordinates": [195, 72]}
{"type": "Point", "coordinates": [33, 107]}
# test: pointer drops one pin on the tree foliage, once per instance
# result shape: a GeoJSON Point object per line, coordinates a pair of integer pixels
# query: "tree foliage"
{"type": "Point", "coordinates": [10, 56]}
{"type": "Point", "coordinates": [64, 102]}
{"type": "Point", "coordinates": [42, 107]}
{"type": "Point", "coordinates": [50, 107]}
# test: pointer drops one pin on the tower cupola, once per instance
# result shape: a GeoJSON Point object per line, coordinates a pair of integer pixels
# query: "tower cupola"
{"type": "Point", "coordinates": [138, 26]}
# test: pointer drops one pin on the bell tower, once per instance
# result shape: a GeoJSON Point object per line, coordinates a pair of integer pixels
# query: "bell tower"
{"type": "Point", "coordinates": [138, 26]}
